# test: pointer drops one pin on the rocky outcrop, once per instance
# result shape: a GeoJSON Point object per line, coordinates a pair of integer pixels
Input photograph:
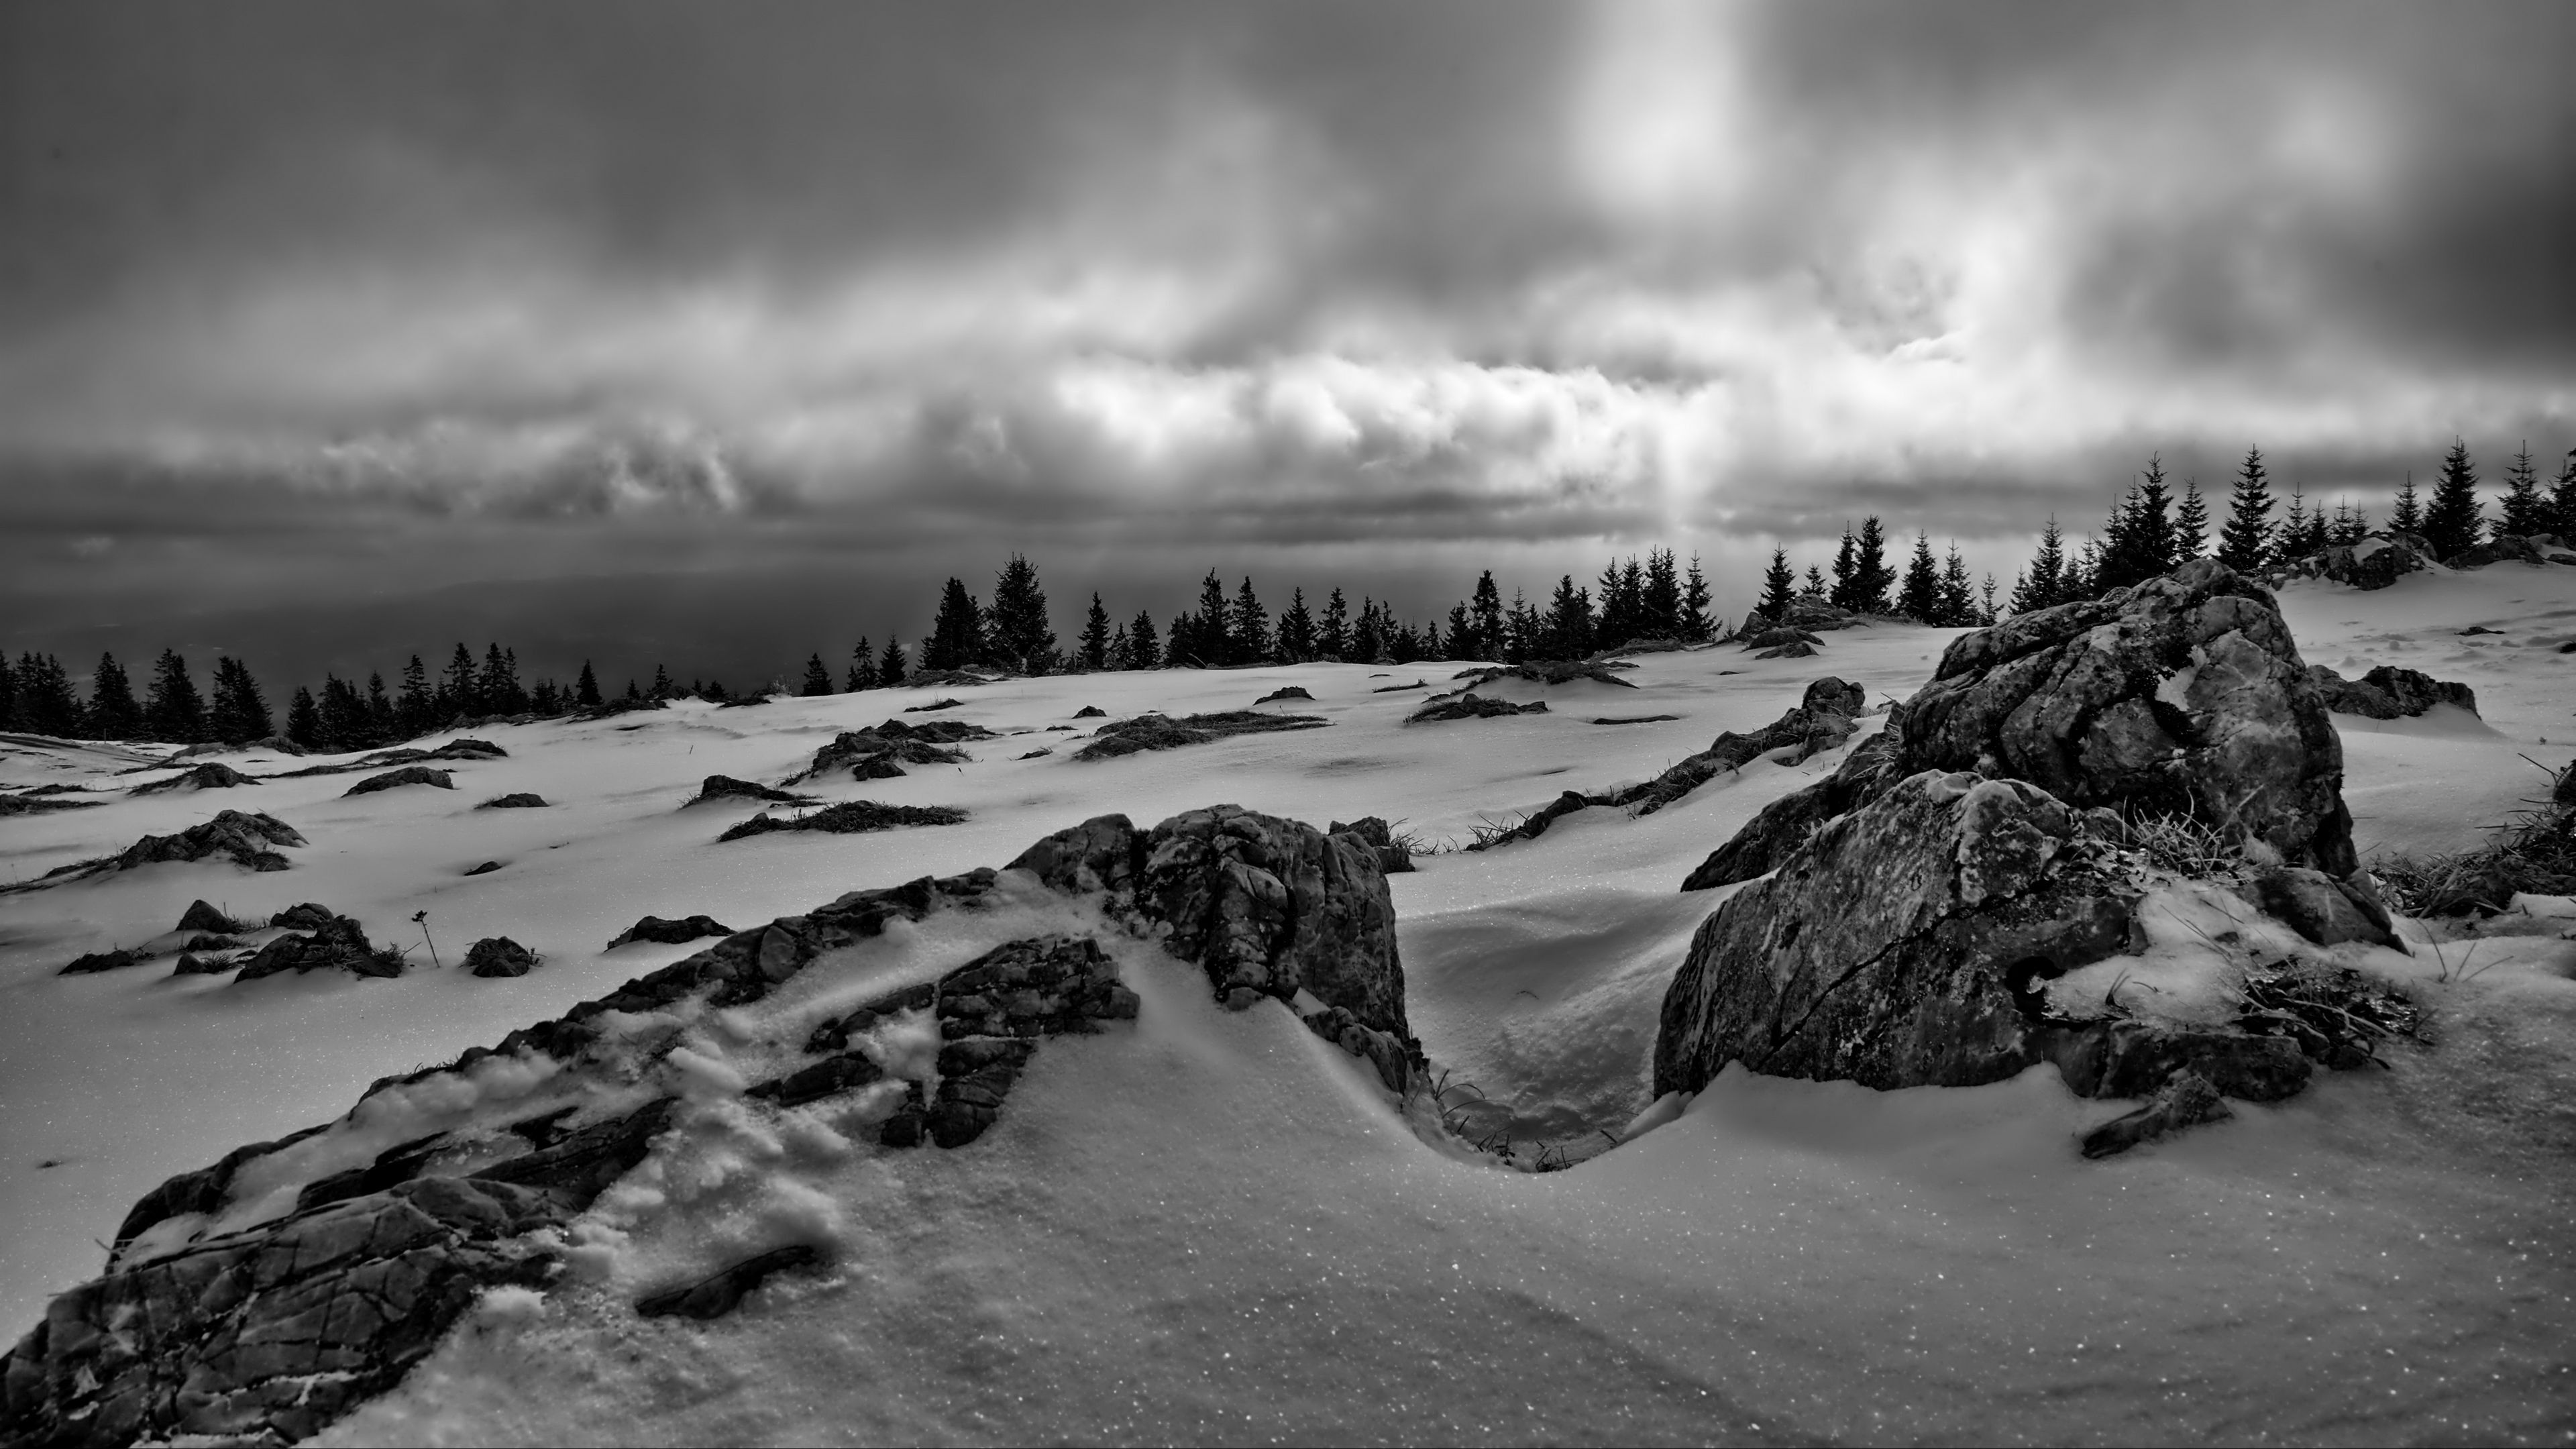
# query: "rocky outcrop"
{"type": "Point", "coordinates": [453, 750]}
{"type": "Point", "coordinates": [1289, 691]}
{"type": "Point", "coordinates": [242, 837]}
{"type": "Point", "coordinates": [200, 916]}
{"type": "Point", "coordinates": [407, 775]}
{"type": "Point", "coordinates": [1471, 706]}
{"type": "Point", "coordinates": [500, 956]}
{"type": "Point", "coordinates": [1549, 671]}
{"type": "Point", "coordinates": [1393, 855]}
{"type": "Point", "coordinates": [2378, 560]}
{"type": "Point", "coordinates": [850, 817]}
{"type": "Point", "coordinates": [1803, 613]}
{"type": "Point", "coordinates": [726, 787]}
{"type": "Point", "coordinates": [211, 775]}
{"type": "Point", "coordinates": [662, 932]}
{"type": "Point", "coordinates": [1779, 638]}
{"type": "Point", "coordinates": [2388, 693]}
{"type": "Point", "coordinates": [881, 752]}
{"type": "Point", "coordinates": [309, 916]}
{"type": "Point", "coordinates": [2182, 695]}
{"type": "Point", "coordinates": [110, 960]}
{"type": "Point", "coordinates": [1161, 732]}
{"type": "Point", "coordinates": [2537, 549]}
{"type": "Point", "coordinates": [273, 1328]}
{"type": "Point", "coordinates": [337, 944]}
{"type": "Point", "coordinates": [37, 802]}
{"type": "Point", "coordinates": [516, 800]}
{"type": "Point", "coordinates": [1091, 711]}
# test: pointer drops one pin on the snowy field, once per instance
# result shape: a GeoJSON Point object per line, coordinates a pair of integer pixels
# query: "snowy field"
{"type": "Point", "coordinates": [1212, 1228]}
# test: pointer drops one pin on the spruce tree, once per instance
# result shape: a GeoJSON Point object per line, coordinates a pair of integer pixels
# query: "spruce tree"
{"type": "Point", "coordinates": [1696, 621]}
{"type": "Point", "coordinates": [1487, 608]}
{"type": "Point", "coordinates": [892, 666]}
{"type": "Point", "coordinates": [2191, 524]}
{"type": "Point", "coordinates": [1019, 635]}
{"type": "Point", "coordinates": [1212, 642]}
{"type": "Point", "coordinates": [2294, 529]}
{"type": "Point", "coordinates": [1122, 655]}
{"type": "Point", "coordinates": [304, 719]}
{"type": "Point", "coordinates": [2526, 511]}
{"type": "Point", "coordinates": [1846, 567]}
{"type": "Point", "coordinates": [2245, 544]}
{"type": "Point", "coordinates": [1871, 576]}
{"type": "Point", "coordinates": [662, 688]}
{"type": "Point", "coordinates": [1920, 598]}
{"type": "Point", "coordinates": [585, 690]}
{"type": "Point", "coordinates": [2562, 503]}
{"type": "Point", "coordinates": [240, 712]}
{"type": "Point", "coordinates": [818, 681]}
{"type": "Point", "coordinates": [1986, 595]}
{"type": "Point", "coordinates": [1958, 603]}
{"type": "Point", "coordinates": [413, 714]}
{"type": "Point", "coordinates": [1521, 631]}
{"type": "Point", "coordinates": [1779, 587]}
{"type": "Point", "coordinates": [497, 689]}
{"type": "Point", "coordinates": [1461, 640]}
{"type": "Point", "coordinates": [1663, 611]}
{"type": "Point", "coordinates": [46, 703]}
{"type": "Point", "coordinates": [2408, 515]}
{"type": "Point", "coordinates": [1569, 621]}
{"type": "Point", "coordinates": [2043, 584]}
{"type": "Point", "coordinates": [1095, 635]}
{"type": "Point", "coordinates": [1368, 633]}
{"type": "Point", "coordinates": [1814, 588]}
{"type": "Point", "coordinates": [380, 707]}
{"type": "Point", "coordinates": [175, 712]}
{"type": "Point", "coordinates": [862, 673]}
{"type": "Point", "coordinates": [1248, 627]}
{"type": "Point", "coordinates": [1297, 629]}
{"type": "Point", "coordinates": [2452, 520]}
{"type": "Point", "coordinates": [1144, 652]}
{"type": "Point", "coordinates": [344, 716]}
{"type": "Point", "coordinates": [546, 699]}
{"type": "Point", "coordinates": [459, 686]}
{"type": "Point", "coordinates": [956, 637]}
{"type": "Point", "coordinates": [2349, 525]}
{"type": "Point", "coordinates": [1332, 632]}
{"type": "Point", "coordinates": [113, 712]}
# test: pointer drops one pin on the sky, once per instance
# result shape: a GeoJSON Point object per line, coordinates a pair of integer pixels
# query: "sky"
{"type": "Point", "coordinates": [716, 334]}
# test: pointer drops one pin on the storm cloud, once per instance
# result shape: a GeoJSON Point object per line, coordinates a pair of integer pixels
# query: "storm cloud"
{"type": "Point", "coordinates": [546, 283]}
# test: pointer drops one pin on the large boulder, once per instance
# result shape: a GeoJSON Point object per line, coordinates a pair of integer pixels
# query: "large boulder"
{"type": "Point", "coordinates": [339, 943]}
{"type": "Point", "coordinates": [243, 837]}
{"type": "Point", "coordinates": [2388, 692]}
{"type": "Point", "coordinates": [407, 775]}
{"type": "Point", "coordinates": [2378, 560]}
{"type": "Point", "coordinates": [2538, 548]}
{"type": "Point", "coordinates": [2184, 694]}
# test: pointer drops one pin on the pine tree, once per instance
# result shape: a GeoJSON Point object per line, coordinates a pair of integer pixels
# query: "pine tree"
{"type": "Point", "coordinates": [1020, 636]}
{"type": "Point", "coordinates": [2526, 512]}
{"type": "Point", "coordinates": [344, 716]}
{"type": "Point", "coordinates": [1095, 635]}
{"type": "Point", "coordinates": [2043, 584]}
{"type": "Point", "coordinates": [1122, 655]}
{"type": "Point", "coordinates": [1920, 598]}
{"type": "Point", "coordinates": [1871, 577]}
{"type": "Point", "coordinates": [1144, 652]}
{"type": "Point", "coordinates": [818, 680]}
{"type": "Point", "coordinates": [2349, 526]}
{"type": "Point", "coordinates": [1368, 633]}
{"type": "Point", "coordinates": [1779, 587]}
{"type": "Point", "coordinates": [1986, 608]}
{"type": "Point", "coordinates": [662, 688]}
{"type": "Point", "coordinates": [1958, 602]}
{"type": "Point", "coordinates": [1696, 620]}
{"type": "Point", "coordinates": [1846, 568]}
{"type": "Point", "coordinates": [113, 713]}
{"type": "Point", "coordinates": [1211, 642]}
{"type": "Point", "coordinates": [2294, 529]}
{"type": "Point", "coordinates": [2245, 544]}
{"type": "Point", "coordinates": [585, 690]}
{"type": "Point", "coordinates": [1332, 635]}
{"type": "Point", "coordinates": [304, 719]}
{"type": "Point", "coordinates": [498, 688]}
{"type": "Point", "coordinates": [862, 673]}
{"type": "Point", "coordinates": [458, 686]}
{"type": "Point", "coordinates": [46, 703]}
{"type": "Point", "coordinates": [175, 711]}
{"type": "Point", "coordinates": [892, 666]}
{"type": "Point", "coordinates": [240, 712]}
{"type": "Point", "coordinates": [413, 713]}
{"type": "Point", "coordinates": [1815, 585]}
{"type": "Point", "coordinates": [2452, 521]}
{"type": "Point", "coordinates": [1521, 631]}
{"type": "Point", "coordinates": [1663, 611]}
{"type": "Point", "coordinates": [2562, 502]}
{"type": "Point", "coordinates": [1569, 621]}
{"type": "Point", "coordinates": [633, 695]}
{"type": "Point", "coordinates": [2138, 544]}
{"type": "Point", "coordinates": [956, 630]}
{"type": "Point", "coordinates": [1248, 628]}
{"type": "Point", "coordinates": [2408, 515]}
{"type": "Point", "coordinates": [2191, 524]}
{"type": "Point", "coordinates": [1461, 643]}
{"type": "Point", "coordinates": [1297, 629]}
{"type": "Point", "coordinates": [380, 708]}
{"type": "Point", "coordinates": [547, 698]}
{"type": "Point", "coordinates": [1486, 606]}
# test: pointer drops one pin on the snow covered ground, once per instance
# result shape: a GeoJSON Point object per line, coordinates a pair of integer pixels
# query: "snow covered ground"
{"type": "Point", "coordinates": [1214, 1228]}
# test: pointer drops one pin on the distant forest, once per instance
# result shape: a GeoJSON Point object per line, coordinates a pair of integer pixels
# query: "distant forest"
{"type": "Point", "coordinates": [2150, 529]}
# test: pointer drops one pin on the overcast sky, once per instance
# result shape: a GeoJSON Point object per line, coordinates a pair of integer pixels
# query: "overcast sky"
{"type": "Point", "coordinates": [713, 325]}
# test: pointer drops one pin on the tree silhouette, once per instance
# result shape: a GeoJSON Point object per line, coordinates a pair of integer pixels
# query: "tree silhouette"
{"type": "Point", "coordinates": [2452, 520]}
{"type": "Point", "coordinates": [113, 712]}
{"type": "Point", "coordinates": [1779, 587]}
{"type": "Point", "coordinates": [1095, 635]}
{"type": "Point", "coordinates": [2245, 544]}
{"type": "Point", "coordinates": [1018, 634]}
{"type": "Point", "coordinates": [818, 682]}
{"type": "Point", "coordinates": [175, 711]}
{"type": "Point", "coordinates": [2525, 511]}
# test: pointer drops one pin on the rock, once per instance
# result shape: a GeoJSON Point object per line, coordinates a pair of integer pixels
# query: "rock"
{"type": "Point", "coordinates": [1401, 688]}
{"type": "Point", "coordinates": [719, 1294]}
{"type": "Point", "coordinates": [1040, 753]}
{"type": "Point", "coordinates": [936, 704]}
{"type": "Point", "coordinates": [306, 917]}
{"type": "Point", "coordinates": [519, 800]}
{"type": "Point", "coordinates": [1160, 732]}
{"type": "Point", "coordinates": [1830, 695]}
{"type": "Point", "coordinates": [241, 836]}
{"type": "Point", "coordinates": [1794, 649]}
{"type": "Point", "coordinates": [407, 775]}
{"type": "Point", "coordinates": [2536, 549]}
{"type": "Point", "coordinates": [1803, 613]}
{"type": "Point", "coordinates": [486, 868]}
{"type": "Point", "coordinates": [1292, 691]}
{"type": "Point", "coordinates": [725, 787]}
{"type": "Point", "coordinates": [2321, 908]}
{"type": "Point", "coordinates": [850, 817]}
{"type": "Point", "coordinates": [1548, 671]}
{"type": "Point", "coordinates": [1091, 711]}
{"type": "Point", "coordinates": [2388, 693]}
{"type": "Point", "coordinates": [205, 941]}
{"type": "Point", "coordinates": [1783, 825]}
{"type": "Point", "coordinates": [1394, 857]}
{"type": "Point", "coordinates": [201, 916]}
{"type": "Point", "coordinates": [880, 753]}
{"type": "Point", "coordinates": [2184, 694]}
{"type": "Point", "coordinates": [1885, 949]}
{"type": "Point", "coordinates": [663, 932]}
{"type": "Point", "coordinates": [37, 802]}
{"type": "Point", "coordinates": [96, 961]}
{"type": "Point", "coordinates": [191, 964]}
{"type": "Point", "coordinates": [2185, 1100]}
{"type": "Point", "coordinates": [1471, 706]}
{"type": "Point", "coordinates": [338, 943]}
{"type": "Point", "coordinates": [2380, 559]}
{"type": "Point", "coordinates": [208, 776]}
{"type": "Point", "coordinates": [460, 749]}
{"type": "Point", "coordinates": [499, 956]}
{"type": "Point", "coordinates": [1629, 719]}
{"type": "Point", "coordinates": [1780, 639]}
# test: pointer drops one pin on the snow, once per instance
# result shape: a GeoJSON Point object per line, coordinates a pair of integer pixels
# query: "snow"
{"type": "Point", "coordinates": [1212, 1226]}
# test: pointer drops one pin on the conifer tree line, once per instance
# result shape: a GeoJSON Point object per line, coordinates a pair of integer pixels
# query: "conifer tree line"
{"type": "Point", "coordinates": [1631, 600]}
{"type": "Point", "coordinates": [1928, 590]}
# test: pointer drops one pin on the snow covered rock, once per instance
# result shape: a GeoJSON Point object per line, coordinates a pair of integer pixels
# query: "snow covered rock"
{"type": "Point", "coordinates": [2184, 694]}
{"type": "Point", "coordinates": [2380, 559]}
{"type": "Point", "coordinates": [1161, 732]}
{"type": "Point", "coordinates": [208, 776]}
{"type": "Point", "coordinates": [243, 837]}
{"type": "Point", "coordinates": [516, 800]}
{"type": "Point", "coordinates": [2321, 908]}
{"type": "Point", "coordinates": [669, 932]}
{"type": "Point", "coordinates": [2539, 548]}
{"type": "Point", "coordinates": [1392, 855]}
{"type": "Point", "coordinates": [337, 944]}
{"type": "Point", "coordinates": [1471, 706]}
{"type": "Point", "coordinates": [726, 787]}
{"type": "Point", "coordinates": [881, 752]}
{"type": "Point", "coordinates": [2389, 693]}
{"type": "Point", "coordinates": [849, 817]}
{"type": "Point", "coordinates": [201, 916]}
{"type": "Point", "coordinates": [407, 775]}
{"type": "Point", "coordinates": [1779, 638]}
{"type": "Point", "coordinates": [96, 961]}
{"type": "Point", "coordinates": [499, 956]}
